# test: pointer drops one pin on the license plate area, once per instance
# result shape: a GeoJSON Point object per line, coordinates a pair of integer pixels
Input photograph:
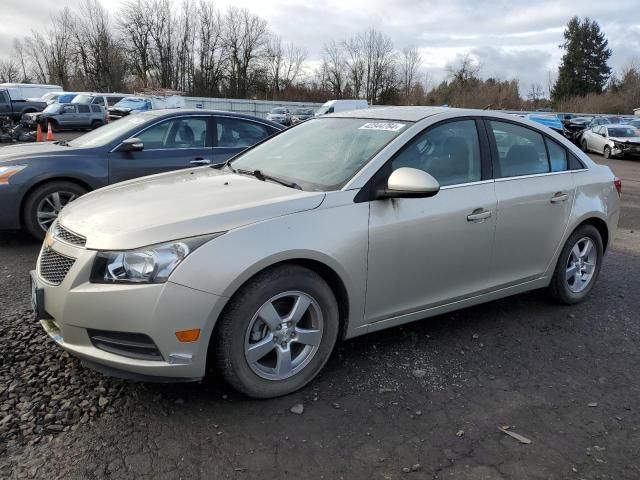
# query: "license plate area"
{"type": "Point", "coordinates": [37, 299]}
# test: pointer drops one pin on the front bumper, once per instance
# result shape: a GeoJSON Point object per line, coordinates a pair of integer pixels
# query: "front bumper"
{"type": "Point", "coordinates": [77, 307]}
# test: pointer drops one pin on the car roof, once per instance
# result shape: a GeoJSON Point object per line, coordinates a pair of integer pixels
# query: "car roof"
{"type": "Point", "coordinates": [617, 125]}
{"type": "Point", "coordinates": [407, 114]}
{"type": "Point", "coordinates": [169, 112]}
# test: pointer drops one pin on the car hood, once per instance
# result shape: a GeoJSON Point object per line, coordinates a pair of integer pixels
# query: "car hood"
{"type": "Point", "coordinates": [33, 151]}
{"type": "Point", "coordinates": [625, 139]}
{"type": "Point", "coordinates": [178, 205]}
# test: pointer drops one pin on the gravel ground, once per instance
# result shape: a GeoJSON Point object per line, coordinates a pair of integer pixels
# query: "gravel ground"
{"type": "Point", "coordinates": [421, 401]}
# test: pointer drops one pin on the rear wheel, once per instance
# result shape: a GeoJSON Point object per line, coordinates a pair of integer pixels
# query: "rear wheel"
{"type": "Point", "coordinates": [607, 151]}
{"type": "Point", "coordinates": [578, 266]}
{"type": "Point", "coordinates": [45, 203]}
{"type": "Point", "coordinates": [277, 332]}
{"type": "Point", "coordinates": [95, 124]}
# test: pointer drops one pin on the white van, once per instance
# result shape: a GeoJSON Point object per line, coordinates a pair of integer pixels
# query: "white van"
{"type": "Point", "coordinates": [24, 91]}
{"type": "Point", "coordinates": [334, 106]}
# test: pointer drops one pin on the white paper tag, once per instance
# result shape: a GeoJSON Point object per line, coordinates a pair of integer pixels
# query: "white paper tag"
{"type": "Point", "coordinates": [387, 126]}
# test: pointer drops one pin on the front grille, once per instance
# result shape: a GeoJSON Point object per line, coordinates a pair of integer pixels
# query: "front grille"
{"type": "Point", "coordinates": [132, 345]}
{"type": "Point", "coordinates": [54, 266]}
{"type": "Point", "coordinates": [66, 236]}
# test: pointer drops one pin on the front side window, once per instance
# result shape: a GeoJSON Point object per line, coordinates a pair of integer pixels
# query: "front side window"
{"type": "Point", "coordinates": [449, 152]}
{"type": "Point", "coordinates": [69, 109]}
{"type": "Point", "coordinates": [190, 132]}
{"type": "Point", "coordinates": [83, 108]}
{"type": "Point", "coordinates": [237, 133]}
{"type": "Point", "coordinates": [521, 151]}
{"type": "Point", "coordinates": [321, 154]}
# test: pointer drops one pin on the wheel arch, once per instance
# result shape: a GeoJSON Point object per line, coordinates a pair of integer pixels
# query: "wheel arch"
{"type": "Point", "coordinates": [600, 225]}
{"type": "Point", "coordinates": [44, 181]}
{"type": "Point", "coordinates": [326, 272]}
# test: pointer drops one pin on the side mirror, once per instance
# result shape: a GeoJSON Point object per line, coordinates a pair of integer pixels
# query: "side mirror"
{"type": "Point", "coordinates": [131, 145]}
{"type": "Point", "coordinates": [408, 182]}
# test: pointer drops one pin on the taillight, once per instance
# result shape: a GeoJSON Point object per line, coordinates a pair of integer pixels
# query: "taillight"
{"type": "Point", "coordinates": [618, 184]}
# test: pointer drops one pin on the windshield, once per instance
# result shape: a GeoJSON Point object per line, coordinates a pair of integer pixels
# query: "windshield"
{"type": "Point", "coordinates": [622, 132]}
{"type": "Point", "coordinates": [111, 131]}
{"type": "Point", "coordinates": [323, 110]}
{"type": "Point", "coordinates": [321, 154]}
{"type": "Point", "coordinates": [83, 98]}
{"type": "Point", "coordinates": [53, 108]}
{"type": "Point", "coordinates": [303, 111]}
{"type": "Point", "coordinates": [131, 102]}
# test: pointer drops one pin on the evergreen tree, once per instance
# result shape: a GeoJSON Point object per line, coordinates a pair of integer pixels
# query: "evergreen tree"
{"type": "Point", "coordinates": [584, 66]}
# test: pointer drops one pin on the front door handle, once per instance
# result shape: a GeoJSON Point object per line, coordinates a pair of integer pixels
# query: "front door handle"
{"type": "Point", "coordinates": [478, 215]}
{"type": "Point", "coordinates": [200, 161]}
{"type": "Point", "coordinates": [559, 197]}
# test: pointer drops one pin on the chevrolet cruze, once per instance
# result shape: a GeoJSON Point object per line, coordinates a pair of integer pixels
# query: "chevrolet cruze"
{"type": "Point", "coordinates": [340, 226]}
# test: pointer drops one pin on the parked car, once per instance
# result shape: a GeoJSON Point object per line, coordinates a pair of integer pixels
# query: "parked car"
{"type": "Point", "coordinates": [28, 91]}
{"type": "Point", "coordinates": [105, 100]}
{"type": "Point", "coordinates": [550, 121]}
{"type": "Point", "coordinates": [16, 108]}
{"type": "Point", "coordinates": [59, 97]}
{"type": "Point", "coordinates": [340, 226]}
{"type": "Point", "coordinates": [67, 116]}
{"type": "Point", "coordinates": [129, 105]}
{"type": "Point", "coordinates": [335, 106]}
{"type": "Point", "coordinates": [281, 115]}
{"type": "Point", "coordinates": [301, 114]}
{"type": "Point", "coordinates": [573, 128]}
{"type": "Point", "coordinates": [37, 180]}
{"type": "Point", "coordinates": [612, 140]}
{"type": "Point", "coordinates": [635, 124]}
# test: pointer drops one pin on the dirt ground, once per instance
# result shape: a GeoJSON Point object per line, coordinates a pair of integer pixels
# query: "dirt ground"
{"type": "Point", "coordinates": [421, 401]}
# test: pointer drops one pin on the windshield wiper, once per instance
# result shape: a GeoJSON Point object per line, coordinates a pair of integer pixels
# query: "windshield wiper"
{"type": "Point", "coordinates": [265, 176]}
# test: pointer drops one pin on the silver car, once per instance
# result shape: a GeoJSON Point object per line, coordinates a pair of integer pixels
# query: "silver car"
{"type": "Point", "coordinates": [612, 140]}
{"type": "Point", "coordinates": [343, 225]}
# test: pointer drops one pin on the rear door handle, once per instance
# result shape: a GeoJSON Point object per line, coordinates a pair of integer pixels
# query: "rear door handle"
{"type": "Point", "coordinates": [200, 161]}
{"type": "Point", "coordinates": [478, 215]}
{"type": "Point", "coordinates": [559, 197]}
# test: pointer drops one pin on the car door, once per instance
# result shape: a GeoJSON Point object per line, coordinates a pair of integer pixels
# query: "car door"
{"type": "Point", "coordinates": [234, 134]}
{"type": "Point", "coordinates": [67, 117]}
{"type": "Point", "coordinates": [171, 144]}
{"type": "Point", "coordinates": [535, 192]}
{"type": "Point", "coordinates": [5, 104]}
{"type": "Point", "coordinates": [83, 117]}
{"type": "Point", "coordinates": [596, 139]}
{"type": "Point", "coordinates": [426, 252]}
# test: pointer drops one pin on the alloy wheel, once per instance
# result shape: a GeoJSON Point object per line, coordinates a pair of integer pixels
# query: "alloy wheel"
{"type": "Point", "coordinates": [581, 265]}
{"type": "Point", "coordinates": [283, 335]}
{"type": "Point", "coordinates": [50, 206]}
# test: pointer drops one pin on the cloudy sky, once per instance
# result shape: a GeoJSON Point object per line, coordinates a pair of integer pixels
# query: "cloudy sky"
{"type": "Point", "coordinates": [509, 38]}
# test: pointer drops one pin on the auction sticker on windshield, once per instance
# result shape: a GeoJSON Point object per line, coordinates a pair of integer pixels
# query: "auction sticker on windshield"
{"type": "Point", "coordinates": [387, 126]}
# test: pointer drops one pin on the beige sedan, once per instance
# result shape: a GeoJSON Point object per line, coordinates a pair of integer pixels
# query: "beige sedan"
{"type": "Point", "coordinates": [340, 226]}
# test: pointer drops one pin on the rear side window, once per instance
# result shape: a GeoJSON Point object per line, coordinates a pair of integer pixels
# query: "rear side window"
{"type": "Point", "coordinates": [96, 108]}
{"type": "Point", "coordinates": [449, 152]}
{"type": "Point", "coordinates": [83, 108]}
{"type": "Point", "coordinates": [234, 133]}
{"type": "Point", "coordinates": [99, 100]}
{"type": "Point", "coordinates": [557, 156]}
{"type": "Point", "coordinates": [521, 151]}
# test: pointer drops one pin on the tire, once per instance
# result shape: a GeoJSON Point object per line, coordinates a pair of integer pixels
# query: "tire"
{"type": "Point", "coordinates": [240, 327]}
{"type": "Point", "coordinates": [37, 200]}
{"type": "Point", "coordinates": [95, 124]}
{"type": "Point", "coordinates": [584, 147]}
{"type": "Point", "coordinates": [606, 153]}
{"type": "Point", "coordinates": [560, 287]}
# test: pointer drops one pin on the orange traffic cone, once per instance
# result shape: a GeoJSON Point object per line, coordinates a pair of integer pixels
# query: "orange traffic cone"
{"type": "Point", "coordinates": [50, 133]}
{"type": "Point", "coordinates": [38, 133]}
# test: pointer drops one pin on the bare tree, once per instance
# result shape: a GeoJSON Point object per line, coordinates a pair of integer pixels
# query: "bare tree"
{"type": "Point", "coordinates": [18, 48]}
{"type": "Point", "coordinates": [9, 71]}
{"type": "Point", "coordinates": [355, 63]}
{"type": "Point", "coordinates": [463, 69]}
{"type": "Point", "coordinates": [536, 93]}
{"type": "Point", "coordinates": [409, 67]}
{"type": "Point", "coordinates": [210, 52]}
{"type": "Point", "coordinates": [379, 63]}
{"type": "Point", "coordinates": [334, 68]}
{"type": "Point", "coordinates": [58, 48]}
{"type": "Point", "coordinates": [136, 28]}
{"type": "Point", "coordinates": [245, 36]}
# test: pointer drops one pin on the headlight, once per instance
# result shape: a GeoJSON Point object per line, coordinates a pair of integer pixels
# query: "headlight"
{"type": "Point", "coordinates": [151, 264]}
{"type": "Point", "coordinates": [7, 172]}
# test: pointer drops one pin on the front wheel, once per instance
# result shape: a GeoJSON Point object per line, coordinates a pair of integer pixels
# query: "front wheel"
{"type": "Point", "coordinates": [607, 152]}
{"type": "Point", "coordinates": [578, 266]}
{"type": "Point", "coordinates": [43, 205]}
{"type": "Point", "coordinates": [584, 146]}
{"type": "Point", "coordinates": [277, 332]}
